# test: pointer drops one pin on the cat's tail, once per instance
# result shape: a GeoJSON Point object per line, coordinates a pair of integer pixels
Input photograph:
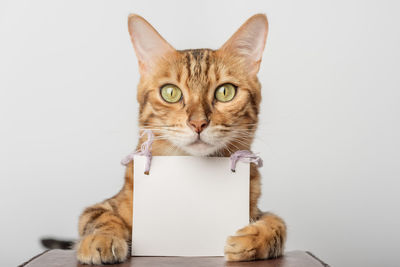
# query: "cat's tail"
{"type": "Point", "coordinates": [51, 243]}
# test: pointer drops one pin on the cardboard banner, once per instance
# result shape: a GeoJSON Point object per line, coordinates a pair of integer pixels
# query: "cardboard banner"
{"type": "Point", "coordinates": [188, 206]}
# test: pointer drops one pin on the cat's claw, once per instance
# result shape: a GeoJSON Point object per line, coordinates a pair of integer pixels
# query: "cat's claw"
{"type": "Point", "coordinates": [255, 241]}
{"type": "Point", "coordinates": [102, 249]}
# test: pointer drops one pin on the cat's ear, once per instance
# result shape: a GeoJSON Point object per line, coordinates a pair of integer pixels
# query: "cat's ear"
{"type": "Point", "coordinates": [249, 41]}
{"type": "Point", "coordinates": [149, 45]}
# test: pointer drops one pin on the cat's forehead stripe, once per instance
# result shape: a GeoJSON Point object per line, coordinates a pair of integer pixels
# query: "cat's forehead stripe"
{"type": "Point", "coordinates": [197, 66]}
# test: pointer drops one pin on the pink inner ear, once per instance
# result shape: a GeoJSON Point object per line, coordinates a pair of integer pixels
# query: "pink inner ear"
{"type": "Point", "coordinates": [148, 43]}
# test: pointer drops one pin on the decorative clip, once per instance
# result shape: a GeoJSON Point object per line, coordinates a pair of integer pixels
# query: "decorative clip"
{"type": "Point", "coordinates": [145, 150]}
{"type": "Point", "coordinates": [245, 156]}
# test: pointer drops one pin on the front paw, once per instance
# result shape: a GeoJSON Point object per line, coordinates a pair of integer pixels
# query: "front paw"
{"type": "Point", "coordinates": [255, 241]}
{"type": "Point", "coordinates": [102, 249]}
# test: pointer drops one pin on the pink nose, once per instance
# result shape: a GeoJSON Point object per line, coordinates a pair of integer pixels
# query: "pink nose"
{"type": "Point", "coordinates": [198, 125]}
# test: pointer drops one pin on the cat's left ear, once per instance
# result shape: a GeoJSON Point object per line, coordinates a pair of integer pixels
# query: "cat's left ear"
{"type": "Point", "coordinates": [249, 41]}
{"type": "Point", "coordinates": [149, 45]}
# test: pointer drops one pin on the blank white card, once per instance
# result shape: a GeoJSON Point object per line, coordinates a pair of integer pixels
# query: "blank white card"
{"type": "Point", "coordinates": [187, 206]}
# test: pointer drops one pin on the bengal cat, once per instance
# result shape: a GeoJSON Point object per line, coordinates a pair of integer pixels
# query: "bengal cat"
{"type": "Point", "coordinates": [199, 102]}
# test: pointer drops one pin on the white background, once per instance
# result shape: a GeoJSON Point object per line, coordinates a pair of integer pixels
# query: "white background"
{"type": "Point", "coordinates": [329, 129]}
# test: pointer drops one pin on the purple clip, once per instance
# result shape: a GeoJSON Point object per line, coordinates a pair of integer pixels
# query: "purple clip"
{"type": "Point", "coordinates": [245, 156]}
{"type": "Point", "coordinates": [144, 151]}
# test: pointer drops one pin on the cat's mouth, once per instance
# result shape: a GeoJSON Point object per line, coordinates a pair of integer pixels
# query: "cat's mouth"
{"type": "Point", "coordinates": [199, 142]}
{"type": "Point", "coordinates": [199, 145]}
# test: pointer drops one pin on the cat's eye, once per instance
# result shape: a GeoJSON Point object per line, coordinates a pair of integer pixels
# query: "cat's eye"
{"type": "Point", "coordinates": [225, 92]}
{"type": "Point", "coordinates": [171, 93]}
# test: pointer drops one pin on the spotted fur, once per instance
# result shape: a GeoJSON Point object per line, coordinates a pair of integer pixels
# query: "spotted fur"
{"type": "Point", "coordinates": [105, 228]}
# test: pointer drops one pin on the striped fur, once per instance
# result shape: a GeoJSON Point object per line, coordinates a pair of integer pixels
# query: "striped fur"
{"type": "Point", "coordinates": [105, 228]}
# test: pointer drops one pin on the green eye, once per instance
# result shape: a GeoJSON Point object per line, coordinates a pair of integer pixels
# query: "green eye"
{"type": "Point", "coordinates": [171, 93]}
{"type": "Point", "coordinates": [225, 92]}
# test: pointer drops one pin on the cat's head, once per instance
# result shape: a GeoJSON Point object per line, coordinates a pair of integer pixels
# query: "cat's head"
{"type": "Point", "coordinates": [201, 101]}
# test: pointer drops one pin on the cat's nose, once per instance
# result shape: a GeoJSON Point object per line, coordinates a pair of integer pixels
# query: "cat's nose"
{"type": "Point", "coordinates": [198, 125]}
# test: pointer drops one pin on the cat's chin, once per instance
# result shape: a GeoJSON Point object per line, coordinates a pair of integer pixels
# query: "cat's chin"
{"type": "Point", "coordinates": [199, 148]}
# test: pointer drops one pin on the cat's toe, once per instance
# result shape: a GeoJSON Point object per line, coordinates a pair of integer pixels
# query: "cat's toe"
{"type": "Point", "coordinates": [252, 242]}
{"type": "Point", "coordinates": [241, 248]}
{"type": "Point", "coordinates": [102, 249]}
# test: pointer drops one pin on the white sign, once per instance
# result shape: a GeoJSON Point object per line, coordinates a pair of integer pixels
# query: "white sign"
{"type": "Point", "coordinates": [188, 206]}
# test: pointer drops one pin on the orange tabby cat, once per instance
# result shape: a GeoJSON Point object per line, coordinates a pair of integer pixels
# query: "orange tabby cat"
{"type": "Point", "coordinates": [198, 102]}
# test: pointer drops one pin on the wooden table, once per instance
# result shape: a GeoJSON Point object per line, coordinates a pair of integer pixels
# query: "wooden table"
{"type": "Point", "coordinates": [67, 258]}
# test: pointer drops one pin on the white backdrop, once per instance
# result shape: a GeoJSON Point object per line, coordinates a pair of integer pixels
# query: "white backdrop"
{"type": "Point", "coordinates": [329, 131]}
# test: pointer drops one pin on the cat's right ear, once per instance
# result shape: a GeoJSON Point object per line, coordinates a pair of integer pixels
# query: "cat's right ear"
{"type": "Point", "coordinates": [249, 41]}
{"type": "Point", "coordinates": [149, 45]}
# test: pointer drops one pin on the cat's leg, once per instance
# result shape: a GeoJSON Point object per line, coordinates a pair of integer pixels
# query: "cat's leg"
{"type": "Point", "coordinates": [263, 239]}
{"type": "Point", "coordinates": [105, 230]}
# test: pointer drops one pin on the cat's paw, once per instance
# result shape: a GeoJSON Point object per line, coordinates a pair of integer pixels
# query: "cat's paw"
{"type": "Point", "coordinates": [255, 241]}
{"type": "Point", "coordinates": [102, 249]}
